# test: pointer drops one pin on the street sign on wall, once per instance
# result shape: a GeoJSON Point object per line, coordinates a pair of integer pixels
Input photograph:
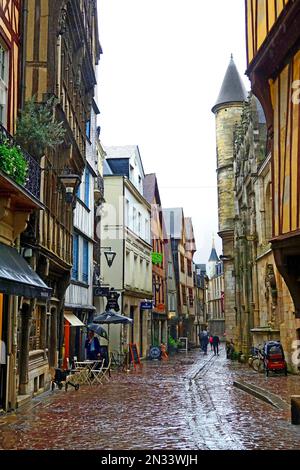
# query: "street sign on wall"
{"type": "Point", "coordinates": [147, 305]}
{"type": "Point", "coordinates": [101, 291]}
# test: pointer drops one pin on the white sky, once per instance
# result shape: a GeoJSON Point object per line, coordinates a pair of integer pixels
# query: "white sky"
{"type": "Point", "coordinates": [162, 67]}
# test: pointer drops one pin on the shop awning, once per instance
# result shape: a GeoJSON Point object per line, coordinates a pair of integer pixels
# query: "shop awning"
{"type": "Point", "coordinates": [73, 320]}
{"type": "Point", "coordinates": [18, 278]}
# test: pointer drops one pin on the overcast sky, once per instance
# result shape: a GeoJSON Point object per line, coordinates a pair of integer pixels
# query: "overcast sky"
{"type": "Point", "coordinates": [162, 67]}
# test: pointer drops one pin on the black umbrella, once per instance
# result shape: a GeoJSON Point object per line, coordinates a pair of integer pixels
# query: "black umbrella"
{"type": "Point", "coordinates": [112, 318]}
{"type": "Point", "coordinates": [98, 330]}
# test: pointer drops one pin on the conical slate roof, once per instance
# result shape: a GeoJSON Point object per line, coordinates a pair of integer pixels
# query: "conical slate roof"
{"type": "Point", "coordinates": [233, 89]}
{"type": "Point", "coordinates": [213, 255]}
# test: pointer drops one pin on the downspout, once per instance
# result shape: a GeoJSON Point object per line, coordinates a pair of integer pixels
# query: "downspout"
{"type": "Point", "coordinates": [23, 54]}
{"type": "Point", "coordinates": [123, 275]}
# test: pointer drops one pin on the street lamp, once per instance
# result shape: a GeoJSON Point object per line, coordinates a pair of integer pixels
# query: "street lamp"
{"type": "Point", "coordinates": [71, 183]}
{"type": "Point", "coordinates": [69, 180]}
{"type": "Point", "coordinates": [156, 284]}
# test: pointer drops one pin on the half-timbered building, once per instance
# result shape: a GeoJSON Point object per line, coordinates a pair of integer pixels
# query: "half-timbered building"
{"type": "Point", "coordinates": [20, 286]}
{"type": "Point", "coordinates": [273, 52]}
{"type": "Point", "coordinates": [61, 49]}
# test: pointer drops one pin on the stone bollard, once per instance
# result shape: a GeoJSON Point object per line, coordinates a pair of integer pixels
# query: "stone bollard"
{"type": "Point", "coordinates": [295, 409]}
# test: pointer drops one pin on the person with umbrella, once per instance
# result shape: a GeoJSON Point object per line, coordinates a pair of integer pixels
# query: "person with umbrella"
{"type": "Point", "coordinates": [92, 347]}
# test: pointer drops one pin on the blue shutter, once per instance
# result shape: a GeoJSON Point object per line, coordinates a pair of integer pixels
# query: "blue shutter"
{"type": "Point", "coordinates": [78, 191]}
{"type": "Point", "coordinates": [88, 129]}
{"type": "Point", "coordinates": [85, 264]}
{"type": "Point", "coordinates": [87, 188]}
{"type": "Point", "coordinates": [75, 257]}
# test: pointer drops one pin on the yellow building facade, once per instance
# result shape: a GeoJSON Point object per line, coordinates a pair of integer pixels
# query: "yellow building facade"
{"type": "Point", "coordinates": [274, 71]}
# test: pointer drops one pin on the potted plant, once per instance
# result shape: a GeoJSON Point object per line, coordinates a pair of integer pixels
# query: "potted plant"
{"type": "Point", "coordinates": [13, 163]}
{"type": "Point", "coordinates": [37, 129]}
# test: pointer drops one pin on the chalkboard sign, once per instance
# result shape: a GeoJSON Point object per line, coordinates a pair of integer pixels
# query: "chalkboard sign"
{"type": "Point", "coordinates": [134, 355]}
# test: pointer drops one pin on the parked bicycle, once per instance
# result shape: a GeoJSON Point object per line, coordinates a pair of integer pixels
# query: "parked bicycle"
{"type": "Point", "coordinates": [118, 360]}
{"type": "Point", "coordinates": [256, 360]}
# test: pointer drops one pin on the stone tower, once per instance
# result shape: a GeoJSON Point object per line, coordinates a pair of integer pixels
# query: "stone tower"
{"type": "Point", "coordinates": [228, 110]}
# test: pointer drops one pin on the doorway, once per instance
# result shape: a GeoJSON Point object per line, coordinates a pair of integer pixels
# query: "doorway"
{"type": "Point", "coordinates": [3, 352]}
{"type": "Point", "coordinates": [141, 333]}
{"type": "Point", "coordinates": [132, 309]}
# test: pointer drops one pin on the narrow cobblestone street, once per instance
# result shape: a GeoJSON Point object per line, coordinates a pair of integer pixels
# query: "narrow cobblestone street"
{"type": "Point", "coordinates": [187, 403]}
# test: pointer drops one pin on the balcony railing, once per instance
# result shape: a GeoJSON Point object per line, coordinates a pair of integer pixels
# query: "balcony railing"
{"type": "Point", "coordinates": [33, 181]}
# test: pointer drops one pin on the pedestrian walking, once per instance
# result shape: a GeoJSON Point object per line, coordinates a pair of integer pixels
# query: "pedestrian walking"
{"type": "Point", "coordinates": [205, 338]}
{"type": "Point", "coordinates": [92, 347]}
{"type": "Point", "coordinates": [211, 342]}
{"type": "Point", "coordinates": [215, 343]}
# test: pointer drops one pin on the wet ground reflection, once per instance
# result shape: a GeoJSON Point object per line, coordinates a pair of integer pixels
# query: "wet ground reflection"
{"type": "Point", "coordinates": [186, 403]}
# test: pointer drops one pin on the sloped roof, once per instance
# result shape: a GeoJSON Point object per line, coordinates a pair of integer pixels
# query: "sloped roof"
{"type": "Point", "coordinates": [260, 112]}
{"type": "Point", "coordinates": [189, 233]}
{"type": "Point", "coordinates": [233, 89]}
{"type": "Point", "coordinates": [106, 169]}
{"type": "Point", "coordinates": [125, 152]}
{"type": "Point", "coordinates": [213, 256]}
{"type": "Point", "coordinates": [150, 189]}
{"type": "Point", "coordinates": [174, 222]}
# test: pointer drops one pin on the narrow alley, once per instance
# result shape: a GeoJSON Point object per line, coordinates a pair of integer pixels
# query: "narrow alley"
{"type": "Point", "coordinates": [187, 403]}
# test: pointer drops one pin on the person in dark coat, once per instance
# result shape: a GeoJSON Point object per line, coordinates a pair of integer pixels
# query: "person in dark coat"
{"type": "Point", "coordinates": [204, 337]}
{"type": "Point", "coordinates": [92, 347]}
{"type": "Point", "coordinates": [215, 343]}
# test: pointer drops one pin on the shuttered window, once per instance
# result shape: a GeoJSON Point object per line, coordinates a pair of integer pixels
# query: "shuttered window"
{"type": "Point", "coordinates": [85, 262]}
{"type": "Point", "coordinates": [75, 257]}
{"type": "Point", "coordinates": [87, 188]}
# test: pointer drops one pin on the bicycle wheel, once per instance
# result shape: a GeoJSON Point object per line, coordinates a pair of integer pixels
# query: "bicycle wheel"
{"type": "Point", "coordinates": [261, 366]}
{"type": "Point", "coordinates": [256, 364]}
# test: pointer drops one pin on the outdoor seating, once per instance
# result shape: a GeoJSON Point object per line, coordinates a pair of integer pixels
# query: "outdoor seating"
{"type": "Point", "coordinates": [102, 372]}
{"type": "Point", "coordinates": [81, 372]}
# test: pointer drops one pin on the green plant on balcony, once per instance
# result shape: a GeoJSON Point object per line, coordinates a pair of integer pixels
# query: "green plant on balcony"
{"type": "Point", "coordinates": [13, 163]}
{"type": "Point", "coordinates": [37, 128]}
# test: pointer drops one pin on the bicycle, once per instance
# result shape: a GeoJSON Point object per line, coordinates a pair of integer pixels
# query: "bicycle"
{"type": "Point", "coordinates": [257, 359]}
{"type": "Point", "coordinates": [118, 360]}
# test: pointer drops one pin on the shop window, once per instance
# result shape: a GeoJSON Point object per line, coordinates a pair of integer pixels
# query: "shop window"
{"type": "Point", "coordinates": [35, 330]}
{"type": "Point", "coordinates": [41, 381]}
{"type": "Point", "coordinates": [35, 385]}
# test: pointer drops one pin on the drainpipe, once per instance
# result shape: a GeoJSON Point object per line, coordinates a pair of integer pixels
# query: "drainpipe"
{"type": "Point", "coordinates": [23, 53]}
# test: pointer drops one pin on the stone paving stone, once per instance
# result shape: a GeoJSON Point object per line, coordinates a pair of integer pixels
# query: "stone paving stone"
{"type": "Point", "coordinates": [187, 403]}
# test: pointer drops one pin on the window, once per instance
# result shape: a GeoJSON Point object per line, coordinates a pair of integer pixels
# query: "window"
{"type": "Point", "coordinates": [140, 224]}
{"type": "Point", "coordinates": [191, 297]}
{"type": "Point", "coordinates": [170, 270]}
{"type": "Point", "coordinates": [75, 257]}
{"type": "Point", "coordinates": [134, 220]}
{"type": "Point", "coordinates": [183, 291]}
{"type": "Point", "coordinates": [268, 213]}
{"type": "Point", "coordinates": [3, 85]}
{"type": "Point", "coordinates": [127, 213]}
{"type": "Point", "coordinates": [131, 175]}
{"type": "Point", "coordinates": [147, 232]}
{"type": "Point", "coordinates": [35, 330]}
{"type": "Point", "coordinates": [182, 263]}
{"type": "Point", "coordinates": [189, 268]}
{"type": "Point", "coordinates": [87, 188]}
{"type": "Point", "coordinates": [85, 263]}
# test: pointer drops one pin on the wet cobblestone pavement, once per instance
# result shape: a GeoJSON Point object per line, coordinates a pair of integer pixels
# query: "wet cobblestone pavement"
{"type": "Point", "coordinates": [187, 403]}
